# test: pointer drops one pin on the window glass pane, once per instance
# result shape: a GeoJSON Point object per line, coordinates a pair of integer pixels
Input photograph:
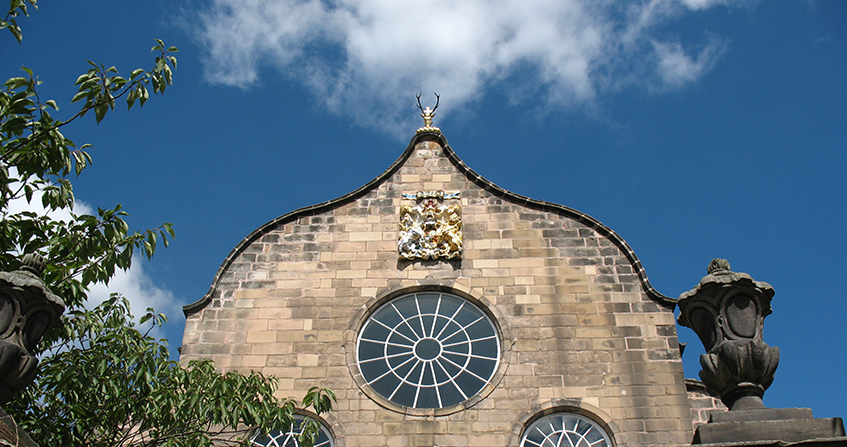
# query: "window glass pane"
{"type": "Point", "coordinates": [404, 395]}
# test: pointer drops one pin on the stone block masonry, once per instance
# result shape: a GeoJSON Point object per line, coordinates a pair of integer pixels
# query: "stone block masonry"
{"type": "Point", "coordinates": [581, 329]}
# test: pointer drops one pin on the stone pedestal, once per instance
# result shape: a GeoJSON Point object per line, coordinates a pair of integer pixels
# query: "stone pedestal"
{"type": "Point", "coordinates": [770, 426]}
{"type": "Point", "coordinates": [11, 435]}
{"type": "Point", "coordinates": [727, 311]}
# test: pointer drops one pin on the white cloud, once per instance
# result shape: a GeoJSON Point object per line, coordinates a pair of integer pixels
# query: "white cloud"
{"type": "Point", "coordinates": [139, 287]}
{"type": "Point", "coordinates": [35, 206]}
{"type": "Point", "coordinates": [135, 284]}
{"type": "Point", "coordinates": [365, 58]}
{"type": "Point", "coordinates": [677, 68]}
{"type": "Point", "coordinates": [703, 4]}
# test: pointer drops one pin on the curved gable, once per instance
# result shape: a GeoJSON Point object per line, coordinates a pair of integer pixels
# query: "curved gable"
{"type": "Point", "coordinates": [473, 177]}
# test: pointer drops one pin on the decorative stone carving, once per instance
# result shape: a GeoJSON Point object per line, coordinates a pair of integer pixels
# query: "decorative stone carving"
{"type": "Point", "coordinates": [27, 309]}
{"type": "Point", "coordinates": [430, 229]}
{"type": "Point", "coordinates": [727, 311]}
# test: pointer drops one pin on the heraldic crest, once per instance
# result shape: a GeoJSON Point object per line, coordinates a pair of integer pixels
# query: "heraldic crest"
{"type": "Point", "coordinates": [430, 229]}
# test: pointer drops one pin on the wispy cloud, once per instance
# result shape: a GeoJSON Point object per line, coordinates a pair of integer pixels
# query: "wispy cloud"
{"type": "Point", "coordinates": [135, 284]}
{"type": "Point", "coordinates": [139, 288]}
{"type": "Point", "coordinates": [677, 68]}
{"type": "Point", "coordinates": [371, 55]}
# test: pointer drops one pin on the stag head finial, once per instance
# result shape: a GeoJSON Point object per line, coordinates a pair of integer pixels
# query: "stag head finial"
{"type": "Point", "coordinates": [427, 113]}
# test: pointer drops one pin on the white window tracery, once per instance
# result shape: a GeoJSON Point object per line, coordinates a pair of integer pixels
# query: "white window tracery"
{"type": "Point", "coordinates": [428, 350]}
{"type": "Point", "coordinates": [565, 430]}
{"type": "Point", "coordinates": [290, 438]}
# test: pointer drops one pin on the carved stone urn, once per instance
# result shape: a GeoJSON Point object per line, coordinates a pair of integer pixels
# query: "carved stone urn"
{"type": "Point", "coordinates": [27, 309]}
{"type": "Point", "coordinates": [727, 311]}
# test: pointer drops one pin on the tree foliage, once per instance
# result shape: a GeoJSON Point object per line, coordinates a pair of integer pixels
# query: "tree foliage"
{"type": "Point", "coordinates": [16, 9]}
{"type": "Point", "coordinates": [102, 381]}
{"type": "Point", "coordinates": [37, 159]}
{"type": "Point", "coordinates": [109, 384]}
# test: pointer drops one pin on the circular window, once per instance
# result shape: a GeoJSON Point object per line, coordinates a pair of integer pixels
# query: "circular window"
{"type": "Point", "coordinates": [428, 350]}
{"type": "Point", "coordinates": [290, 438]}
{"type": "Point", "coordinates": [565, 429]}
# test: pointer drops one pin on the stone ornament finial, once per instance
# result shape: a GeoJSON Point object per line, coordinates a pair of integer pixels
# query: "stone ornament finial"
{"type": "Point", "coordinates": [727, 311]}
{"type": "Point", "coordinates": [33, 263]}
{"type": "Point", "coordinates": [718, 264]}
{"type": "Point", "coordinates": [427, 114]}
{"type": "Point", "coordinates": [27, 310]}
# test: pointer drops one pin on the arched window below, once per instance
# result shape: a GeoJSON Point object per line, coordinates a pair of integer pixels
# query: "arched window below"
{"type": "Point", "coordinates": [289, 438]}
{"type": "Point", "coordinates": [565, 429]}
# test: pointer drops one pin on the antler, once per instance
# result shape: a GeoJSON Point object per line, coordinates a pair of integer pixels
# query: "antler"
{"type": "Point", "coordinates": [418, 97]}
{"type": "Point", "coordinates": [427, 113]}
{"type": "Point", "coordinates": [437, 100]}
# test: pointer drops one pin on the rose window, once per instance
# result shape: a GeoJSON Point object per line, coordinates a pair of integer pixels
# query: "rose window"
{"type": "Point", "coordinates": [428, 350]}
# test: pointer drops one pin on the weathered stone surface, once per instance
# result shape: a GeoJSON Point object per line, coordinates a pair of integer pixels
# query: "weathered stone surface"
{"type": "Point", "coordinates": [763, 414]}
{"type": "Point", "coordinates": [11, 435]}
{"type": "Point", "coordinates": [727, 311]}
{"type": "Point", "coordinates": [27, 309]}
{"type": "Point", "coordinates": [704, 405]}
{"type": "Point", "coordinates": [581, 328]}
{"type": "Point", "coordinates": [787, 430]}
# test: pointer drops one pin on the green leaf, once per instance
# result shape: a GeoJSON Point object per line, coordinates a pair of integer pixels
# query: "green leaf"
{"type": "Point", "coordinates": [79, 96]}
{"type": "Point", "coordinates": [169, 228]}
{"type": "Point", "coordinates": [15, 29]}
{"type": "Point", "coordinates": [100, 111]}
{"type": "Point", "coordinates": [145, 95]}
{"type": "Point", "coordinates": [168, 75]}
{"type": "Point", "coordinates": [131, 97]}
{"type": "Point", "coordinates": [15, 82]}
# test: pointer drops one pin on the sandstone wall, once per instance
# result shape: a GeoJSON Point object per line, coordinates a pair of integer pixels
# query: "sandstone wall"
{"type": "Point", "coordinates": [702, 402]}
{"type": "Point", "coordinates": [581, 328]}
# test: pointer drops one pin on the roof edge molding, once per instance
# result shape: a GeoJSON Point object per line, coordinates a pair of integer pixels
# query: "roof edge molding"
{"type": "Point", "coordinates": [477, 179]}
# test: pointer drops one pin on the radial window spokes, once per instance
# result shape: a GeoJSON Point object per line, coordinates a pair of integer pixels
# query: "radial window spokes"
{"type": "Point", "coordinates": [565, 430]}
{"type": "Point", "coordinates": [428, 350]}
{"type": "Point", "coordinates": [290, 438]}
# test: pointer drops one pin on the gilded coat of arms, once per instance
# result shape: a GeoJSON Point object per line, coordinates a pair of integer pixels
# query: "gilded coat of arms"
{"type": "Point", "coordinates": [430, 229]}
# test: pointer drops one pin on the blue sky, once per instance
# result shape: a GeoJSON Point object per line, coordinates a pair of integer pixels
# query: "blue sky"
{"type": "Point", "coordinates": [695, 129]}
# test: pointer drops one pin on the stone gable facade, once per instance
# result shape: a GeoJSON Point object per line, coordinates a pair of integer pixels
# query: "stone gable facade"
{"type": "Point", "coordinates": [580, 330]}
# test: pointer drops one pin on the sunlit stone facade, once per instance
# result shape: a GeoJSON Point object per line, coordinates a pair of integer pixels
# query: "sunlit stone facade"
{"type": "Point", "coordinates": [578, 328]}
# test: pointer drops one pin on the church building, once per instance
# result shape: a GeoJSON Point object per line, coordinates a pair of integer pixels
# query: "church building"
{"type": "Point", "coordinates": [446, 311]}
